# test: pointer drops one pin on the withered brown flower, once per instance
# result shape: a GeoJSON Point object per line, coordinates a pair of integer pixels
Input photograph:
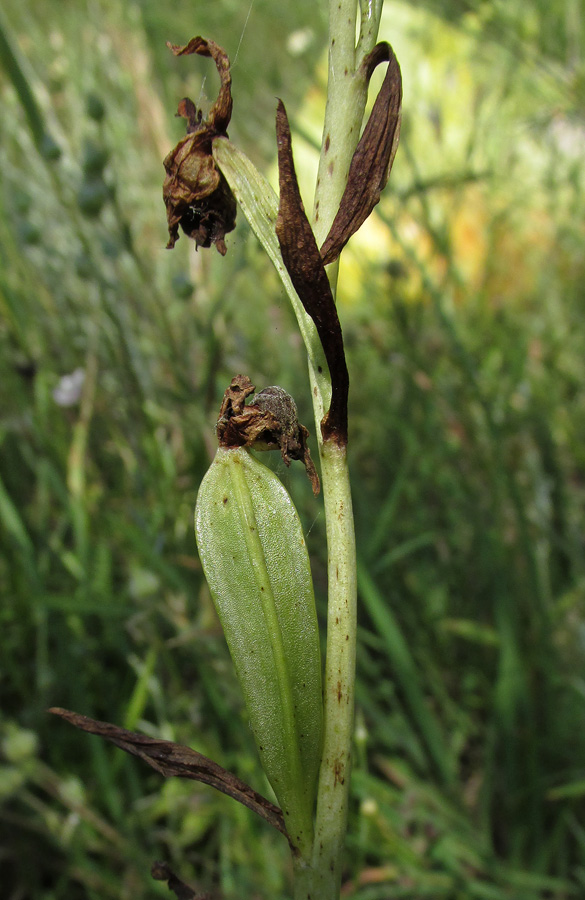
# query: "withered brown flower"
{"type": "Point", "coordinates": [269, 422]}
{"type": "Point", "coordinates": [196, 194]}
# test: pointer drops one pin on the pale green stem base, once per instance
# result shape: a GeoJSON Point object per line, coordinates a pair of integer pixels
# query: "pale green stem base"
{"type": "Point", "coordinates": [338, 694]}
{"type": "Point", "coordinates": [310, 885]}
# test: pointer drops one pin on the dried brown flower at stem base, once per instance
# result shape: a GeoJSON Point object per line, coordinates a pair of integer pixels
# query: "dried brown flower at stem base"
{"type": "Point", "coordinates": [196, 194]}
{"type": "Point", "coordinates": [269, 422]}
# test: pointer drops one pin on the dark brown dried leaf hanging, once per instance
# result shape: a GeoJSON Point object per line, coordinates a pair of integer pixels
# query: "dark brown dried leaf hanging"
{"type": "Point", "coordinates": [196, 194]}
{"type": "Point", "coordinates": [304, 265]}
{"type": "Point", "coordinates": [373, 157]}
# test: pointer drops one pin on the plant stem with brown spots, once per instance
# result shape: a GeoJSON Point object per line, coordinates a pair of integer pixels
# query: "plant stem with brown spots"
{"type": "Point", "coordinates": [346, 101]}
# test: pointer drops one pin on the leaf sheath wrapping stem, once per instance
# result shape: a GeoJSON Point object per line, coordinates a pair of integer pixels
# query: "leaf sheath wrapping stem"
{"type": "Point", "coordinates": [255, 560]}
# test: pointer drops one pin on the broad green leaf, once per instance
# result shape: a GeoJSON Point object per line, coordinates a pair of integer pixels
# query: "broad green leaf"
{"type": "Point", "coordinates": [255, 560]}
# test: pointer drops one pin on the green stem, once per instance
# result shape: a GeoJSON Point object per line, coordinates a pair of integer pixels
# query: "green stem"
{"type": "Point", "coordinates": [343, 116]}
{"type": "Point", "coordinates": [347, 92]}
{"type": "Point", "coordinates": [339, 685]}
{"type": "Point", "coordinates": [346, 101]}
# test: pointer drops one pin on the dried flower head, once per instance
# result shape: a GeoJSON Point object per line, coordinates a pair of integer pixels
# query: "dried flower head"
{"type": "Point", "coordinates": [196, 194]}
{"type": "Point", "coordinates": [269, 422]}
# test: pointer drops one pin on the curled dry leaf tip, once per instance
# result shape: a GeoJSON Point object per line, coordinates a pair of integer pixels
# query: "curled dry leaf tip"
{"type": "Point", "coordinates": [373, 157]}
{"type": "Point", "coordinates": [196, 194]}
{"type": "Point", "coordinates": [303, 262]}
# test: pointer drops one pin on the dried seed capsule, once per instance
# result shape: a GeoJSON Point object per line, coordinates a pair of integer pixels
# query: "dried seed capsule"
{"type": "Point", "coordinates": [255, 560]}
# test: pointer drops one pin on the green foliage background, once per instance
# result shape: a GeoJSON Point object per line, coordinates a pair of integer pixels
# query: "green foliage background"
{"type": "Point", "coordinates": [462, 302]}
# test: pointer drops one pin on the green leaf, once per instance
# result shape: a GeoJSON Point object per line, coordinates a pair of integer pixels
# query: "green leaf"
{"type": "Point", "coordinates": [255, 560]}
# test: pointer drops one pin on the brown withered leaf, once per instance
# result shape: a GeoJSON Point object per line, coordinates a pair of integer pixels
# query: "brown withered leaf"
{"type": "Point", "coordinates": [304, 265]}
{"type": "Point", "coordinates": [196, 194]}
{"type": "Point", "coordinates": [170, 759]}
{"type": "Point", "coordinates": [269, 422]}
{"type": "Point", "coordinates": [221, 111]}
{"type": "Point", "coordinates": [373, 157]}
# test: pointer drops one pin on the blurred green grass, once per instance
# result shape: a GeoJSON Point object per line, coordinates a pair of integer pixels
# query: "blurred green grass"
{"type": "Point", "coordinates": [462, 304]}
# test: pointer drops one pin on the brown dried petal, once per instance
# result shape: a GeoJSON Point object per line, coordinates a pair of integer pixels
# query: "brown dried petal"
{"type": "Point", "coordinates": [191, 174]}
{"type": "Point", "coordinates": [170, 759]}
{"type": "Point", "coordinates": [207, 221]}
{"type": "Point", "coordinates": [290, 436]}
{"type": "Point", "coordinates": [304, 265]}
{"type": "Point", "coordinates": [234, 399]}
{"type": "Point", "coordinates": [196, 194]}
{"type": "Point", "coordinates": [268, 423]}
{"type": "Point", "coordinates": [373, 157]}
{"type": "Point", "coordinates": [221, 111]}
{"type": "Point", "coordinates": [188, 110]}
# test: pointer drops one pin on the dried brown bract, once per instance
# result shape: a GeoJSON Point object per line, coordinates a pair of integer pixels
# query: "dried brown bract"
{"type": "Point", "coordinates": [373, 157]}
{"type": "Point", "coordinates": [303, 262]}
{"type": "Point", "coordinates": [269, 422]}
{"type": "Point", "coordinates": [196, 194]}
